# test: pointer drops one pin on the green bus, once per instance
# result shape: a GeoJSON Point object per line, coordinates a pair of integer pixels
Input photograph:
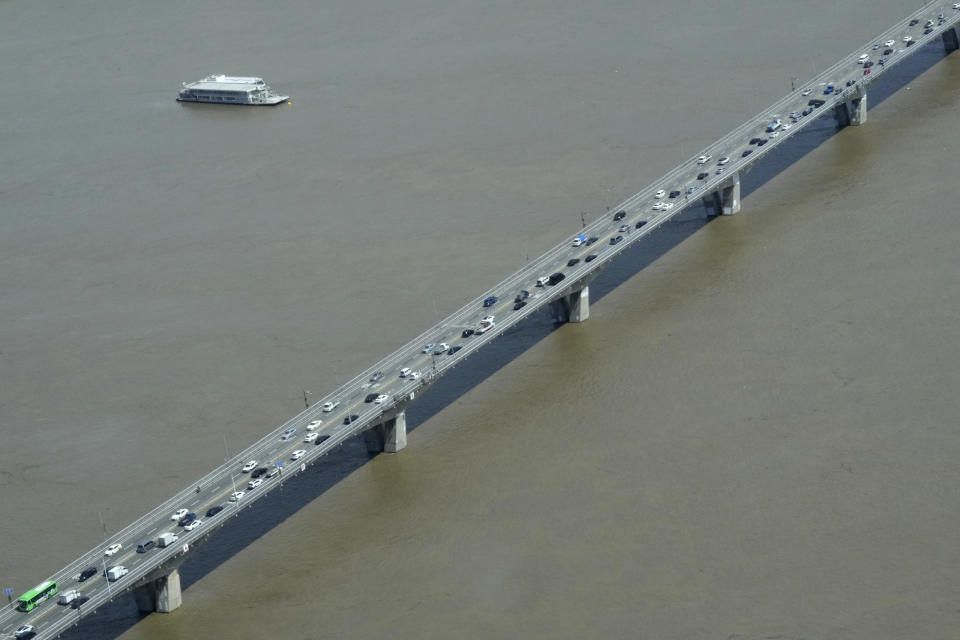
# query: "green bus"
{"type": "Point", "coordinates": [37, 595]}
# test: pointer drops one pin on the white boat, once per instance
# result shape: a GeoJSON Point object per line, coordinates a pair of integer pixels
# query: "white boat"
{"type": "Point", "coordinates": [221, 89]}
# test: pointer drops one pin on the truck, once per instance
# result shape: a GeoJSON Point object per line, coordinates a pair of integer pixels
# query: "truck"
{"type": "Point", "coordinates": [117, 572]}
{"type": "Point", "coordinates": [773, 126]}
{"type": "Point", "coordinates": [166, 539]}
{"type": "Point", "coordinates": [579, 240]}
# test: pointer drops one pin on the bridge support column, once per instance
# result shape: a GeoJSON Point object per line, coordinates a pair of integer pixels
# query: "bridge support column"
{"type": "Point", "coordinates": [390, 436]}
{"type": "Point", "coordinates": [573, 307]}
{"type": "Point", "coordinates": [161, 595]}
{"type": "Point", "coordinates": [730, 196]}
{"type": "Point", "coordinates": [951, 41]}
{"type": "Point", "coordinates": [852, 112]}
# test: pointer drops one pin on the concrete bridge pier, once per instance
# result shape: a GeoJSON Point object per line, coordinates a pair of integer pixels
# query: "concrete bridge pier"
{"type": "Point", "coordinates": [390, 436]}
{"type": "Point", "coordinates": [951, 40]}
{"type": "Point", "coordinates": [726, 199]}
{"type": "Point", "coordinates": [572, 307]}
{"type": "Point", "coordinates": [852, 112]}
{"type": "Point", "coordinates": [160, 594]}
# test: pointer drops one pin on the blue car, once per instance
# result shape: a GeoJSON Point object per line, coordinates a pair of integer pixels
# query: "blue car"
{"type": "Point", "coordinates": [489, 302]}
{"type": "Point", "coordinates": [828, 90]}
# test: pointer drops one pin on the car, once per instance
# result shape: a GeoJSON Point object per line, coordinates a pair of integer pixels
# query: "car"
{"type": "Point", "coordinates": [377, 375]}
{"type": "Point", "coordinates": [253, 484]}
{"type": "Point", "coordinates": [719, 170]}
{"type": "Point", "coordinates": [145, 546]}
{"type": "Point", "coordinates": [928, 24]}
{"type": "Point", "coordinates": [370, 397]}
{"type": "Point", "coordinates": [466, 333]}
{"type": "Point", "coordinates": [657, 206]}
{"type": "Point", "coordinates": [322, 439]}
{"type": "Point", "coordinates": [619, 215]}
{"type": "Point", "coordinates": [956, 6]}
{"type": "Point", "coordinates": [616, 240]}
{"type": "Point", "coordinates": [849, 82]}
{"type": "Point", "coordinates": [484, 327]}
{"type": "Point", "coordinates": [807, 92]}
{"type": "Point", "coordinates": [196, 523]}
{"type": "Point", "coordinates": [179, 513]}
{"type": "Point", "coordinates": [383, 397]}
{"type": "Point", "coordinates": [660, 194]}
{"type": "Point", "coordinates": [296, 455]}
{"type": "Point", "coordinates": [263, 470]}
{"type": "Point", "coordinates": [440, 348]}
{"type": "Point", "coordinates": [795, 115]}
{"type": "Point", "coordinates": [787, 127]}
{"type": "Point", "coordinates": [590, 258]}
{"type": "Point", "coordinates": [554, 279]}
{"type": "Point", "coordinates": [489, 301]}
{"type": "Point", "coordinates": [746, 152]}
{"type": "Point", "coordinates": [639, 224]}
{"type": "Point", "coordinates": [674, 193]}
{"type": "Point", "coordinates": [866, 72]}
{"type": "Point", "coordinates": [591, 240]}
{"type": "Point", "coordinates": [828, 90]}
{"type": "Point", "coordinates": [808, 111]}
{"type": "Point", "coordinates": [908, 40]}
{"type": "Point", "coordinates": [187, 519]}
{"type": "Point", "coordinates": [86, 574]}
{"type": "Point", "coordinates": [276, 470]}
{"type": "Point", "coordinates": [889, 43]}
{"type": "Point", "coordinates": [573, 262]}
{"type": "Point", "coordinates": [490, 318]}
{"type": "Point", "coordinates": [79, 602]}
{"type": "Point", "coordinates": [876, 46]}
{"type": "Point", "coordinates": [288, 433]}
{"type": "Point", "coordinates": [669, 205]}
{"type": "Point", "coordinates": [690, 188]}
{"type": "Point", "coordinates": [523, 295]}
{"type": "Point", "coordinates": [405, 372]}
{"type": "Point", "coordinates": [310, 437]}
{"type": "Point", "coordinates": [702, 175]}
{"type": "Point", "coordinates": [887, 52]}
{"type": "Point", "coordinates": [863, 58]}
{"type": "Point", "coordinates": [775, 134]}
{"type": "Point", "coordinates": [754, 140]}
{"type": "Point", "coordinates": [722, 161]}
{"type": "Point", "coordinates": [913, 22]}
{"type": "Point", "coordinates": [704, 159]}
{"type": "Point", "coordinates": [212, 511]}
{"type": "Point", "coordinates": [330, 406]}
{"type": "Point", "coordinates": [457, 347]}
{"type": "Point", "coordinates": [761, 143]}
{"type": "Point", "coordinates": [817, 103]}
{"type": "Point", "coordinates": [351, 418]}
{"type": "Point", "coordinates": [250, 466]}
{"type": "Point", "coordinates": [625, 227]}
{"type": "Point", "coordinates": [236, 496]}
{"type": "Point", "coordinates": [928, 31]}
{"type": "Point", "coordinates": [427, 348]}
{"type": "Point", "coordinates": [113, 549]}
{"type": "Point", "coordinates": [24, 631]}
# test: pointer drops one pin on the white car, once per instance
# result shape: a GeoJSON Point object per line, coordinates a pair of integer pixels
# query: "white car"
{"type": "Point", "coordinates": [863, 59]}
{"type": "Point", "coordinates": [807, 92]}
{"type": "Point", "coordinates": [660, 194]}
{"type": "Point", "coordinates": [775, 134]}
{"type": "Point", "coordinates": [890, 43]}
{"type": "Point", "coordinates": [907, 39]}
{"type": "Point", "coordinates": [786, 126]}
{"type": "Point", "coordinates": [311, 437]}
{"type": "Point", "coordinates": [657, 206]}
{"type": "Point", "coordinates": [441, 348]}
{"type": "Point", "coordinates": [406, 371]}
{"type": "Point", "coordinates": [250, 466]}
{"type": "Point", "coordinates": [299, 453]}
{"type": "Point", "coordinates": [236, 495]}
{"type": "Point", "coordinates": [330, 406]}
{"type": "Point", "coordinates": [24, 630]}
{"type": "Point", "coordinates": [381, 398]}
{"type": "Point", "coordinates": [667, 205]}
{"type": "Point", "coordinates": [196, 523]}
{"type": "Point", "coordinates": [253, 484]}
{"type": "Point", "coordinates": [113, 549]}
{"type": "Point", "coordinates": [314, 424]}
{"type": "Point", "coordinates": [427, 348]}
{"type": "Point", "coordinates": [179, 513]}
{"type": "Point", "coordinates": [956, 6]}
{"type": "Point", "coordinates": [488, 319]}
{"type": "Point", "coordinates": [724, 160]}
{"type": "Point", "coordinates": [704, 159]}
{"type": "Point", "coordinates": [484, 327]}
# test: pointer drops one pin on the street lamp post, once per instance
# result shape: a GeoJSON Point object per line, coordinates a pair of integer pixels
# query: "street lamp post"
{"type": "Point", "coordinates": [306, 405]}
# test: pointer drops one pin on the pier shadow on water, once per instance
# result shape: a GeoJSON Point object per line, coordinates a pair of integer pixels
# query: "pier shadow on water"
{"type": "Point", "coordinates": [115, 618]}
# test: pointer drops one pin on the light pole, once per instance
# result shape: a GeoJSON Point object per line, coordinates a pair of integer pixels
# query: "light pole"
{"type": "Point", "coordinates": [583, 219]}
{"type": "Point", "coordinates": [306, 405]}
{"type": "Point", "coordinates": [226, 452]}
{"type": "Point", "coordinates": [109, 588]}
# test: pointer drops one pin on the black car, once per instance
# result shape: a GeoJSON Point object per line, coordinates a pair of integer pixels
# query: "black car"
{"type": "Point", "coordinates": [755, 140]}
{"type": "Point", "coordinates": [556, 277]}
{"type": "Point", "coordinates": [849, 82]}
{"type": "Point", "coordinates": [187, 519]}
{"type": "Point", "coordinates": [746, 152]}
{"type": "Point", "coordinates": [466, 333]}
{"type": "Point", "coordinates": [674, 194]}
{"type": "Point", "coordinates": [212, 511]}
{"type": "Point", "coordinates": [78, 602]}
{"type": "Point", "coordinates": [457, 347]}
{"type": "Point", "coordinates": [867, 64]}
{"type": "Point", "coordinates": [761, 143]}
{"type": "Point", "coordinates": [519, 305]}
{"type": "Point", "coordinates": [913, 22]}
{"type": "Point", "coordinates": [816, 102]}
{"type": "Point", "coordinates": [376, 376]}
{"type": "Point", "coordinates": [350, 418]}
{"type": "Point", "coordinates": [591, 240]}
{"type": "Point", "coordinates": [887, 52]}
{"type": "Point", "coordinates": [371, 397]}
{"type": "Point", "coordinates": [620, 215]}
{"type": "Point", "coordinates": [259, 472]}
{"type": "Point", "coordinates": [322, 439]}
{"type": "Point", "coordinates": [590, 257]}
{"type": "Point", "coordinates": [808, 111]}
{"type": "Point", "coordinates": [702, 175]}
{"type": "Point", "coordinates": [640, 224]}
{"type": "Point", "coordinates": [616, 239]}
{"type": "Point", "coordinates": [573, 261]}
{"type": "Point", "coordinates": [523, 295]}
{"type": "Point", "coordinates": [87, 573]}
{"type": "Point", "coordinates": [927, 31]}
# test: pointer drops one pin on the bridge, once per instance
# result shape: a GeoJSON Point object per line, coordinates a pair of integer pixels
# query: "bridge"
{"type": "Point", "coordinates": [374, 402]}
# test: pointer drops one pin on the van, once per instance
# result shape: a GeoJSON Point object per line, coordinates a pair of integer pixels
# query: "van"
{"type": "Point", "coordinates": [555, 278]}
{"type": "Point", "coordinates": [405, 372]}
{"type": "Point", "coordinates": [167, 538]}
{"type": "Point", "coordinates": [145, 545]}
{"type": "Point", "coordinates": [542, 281]}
